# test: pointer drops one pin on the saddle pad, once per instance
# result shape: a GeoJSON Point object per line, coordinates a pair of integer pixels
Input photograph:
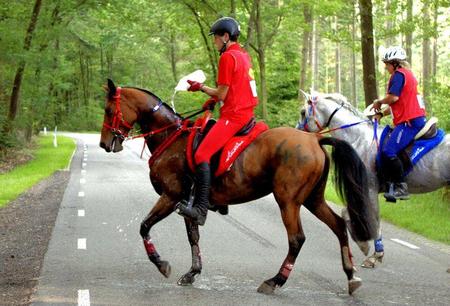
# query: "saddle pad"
{"type": "Point", "coordinates": [415, 151]}
{"type": "Point", "coordinates": [228, 154]}
{"type": "Point", "coordinates": [236, 145]}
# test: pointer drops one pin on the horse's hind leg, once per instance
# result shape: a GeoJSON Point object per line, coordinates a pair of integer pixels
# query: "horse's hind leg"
{"type": "Point", "coordinates": [163, 207]}
{"type": "Point", "coordinates": [196, 268]}
{"type": "Point", "coordinates": [296, 238]}
{"type": "Point", "coordinates": [318, 206]}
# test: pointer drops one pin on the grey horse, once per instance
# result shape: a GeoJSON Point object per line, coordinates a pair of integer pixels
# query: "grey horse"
{"type": "Point", "coordinates": [345, 122]}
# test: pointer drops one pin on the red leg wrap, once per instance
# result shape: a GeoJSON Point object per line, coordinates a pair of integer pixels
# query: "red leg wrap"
{"type": "Point", "coordinates": [286, 269]}
{"type": "Point", "coordinates": [149, 247]}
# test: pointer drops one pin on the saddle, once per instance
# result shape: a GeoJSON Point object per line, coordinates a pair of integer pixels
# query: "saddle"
{"type": "Point", "coordinates": [426, 139]}
{"type": "Point", "coordinates": [222, 161]}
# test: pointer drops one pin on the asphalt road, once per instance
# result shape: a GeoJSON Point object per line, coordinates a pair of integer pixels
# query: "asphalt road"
{"type": "Point", "coordinates": [96, 256]}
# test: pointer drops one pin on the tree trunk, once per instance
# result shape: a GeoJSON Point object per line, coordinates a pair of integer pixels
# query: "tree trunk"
{"type": "Point", "coordinates": [173, 58]}
{"type": "Point", "coordinates": [389, 25]}
{"type": "Point", "coordinates": [409, 32]}
{"type": "Point", "coordinates": [251, 24]}
{"type": "Point", "coordinates": [261, 59]}
{"type": "Point", "coordinates": [426, 56]}
{"type": "Point", "coordinates": [316, 41]}
{"type": "Point", "coordinates": [337, 77]}
{"type": "Point", "coordinates": [306, 36]}
{"type": "Point", "coordinates": [312, 54]}
{"type": "Point", "coordinates": [337, 53]}
{"type": "Point", "coordinates": [368, 58]}
{"type": "Point", "coordinates": [233, 8]}
{"type": "Point", "coordinates": [353, 69]}
{"type": "Point", "coordinates": [210, 51]}
{"type": "Point", "coordinates": [435, 31]}
{"type": "Point", "coordinates": [262, 77]}
{"type": "Point", "coordinates": [14, 101]}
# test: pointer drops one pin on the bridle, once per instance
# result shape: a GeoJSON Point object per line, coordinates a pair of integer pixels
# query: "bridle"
{"type": "Point", "coordinates": [313, 101]}
{"type": "Point", "coordinates": [181, 125]}
{"type": "Point", "coordinates": [118, 120]}
{"type": "Point", "coordinates": [312, 110]}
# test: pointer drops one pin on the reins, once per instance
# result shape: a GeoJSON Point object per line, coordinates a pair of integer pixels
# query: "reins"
{"type": "Point", "coordinates": [181, 124]}
{"type": "Point", "coordinates": [342, 127]}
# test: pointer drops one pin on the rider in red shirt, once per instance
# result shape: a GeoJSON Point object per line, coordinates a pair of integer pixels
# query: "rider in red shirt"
{"type": "Point", "coordinates": [236, 88]}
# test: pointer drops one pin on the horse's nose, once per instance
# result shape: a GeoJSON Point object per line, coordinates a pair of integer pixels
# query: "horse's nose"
{"type": "Point", "coordinates": [103, 145]}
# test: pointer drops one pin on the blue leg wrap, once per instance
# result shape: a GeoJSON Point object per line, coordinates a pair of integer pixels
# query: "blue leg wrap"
{"type": "Point", "coordinates": [379, 245]}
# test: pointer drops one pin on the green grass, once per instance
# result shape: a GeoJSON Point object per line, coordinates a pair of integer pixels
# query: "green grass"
{"type": "Point", "coordinates": [47, 159]}
{"type": "Point", "coordinates": [425, 214]}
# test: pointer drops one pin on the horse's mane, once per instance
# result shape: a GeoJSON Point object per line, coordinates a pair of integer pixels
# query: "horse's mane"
{"type": "Point", "coordinates": [340, 99]}
{"type": "Point", "coordinates": [156, 97]}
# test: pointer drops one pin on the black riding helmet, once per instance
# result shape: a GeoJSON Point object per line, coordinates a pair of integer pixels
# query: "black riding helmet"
{"type": "Point", "coordinates": [226, 25]}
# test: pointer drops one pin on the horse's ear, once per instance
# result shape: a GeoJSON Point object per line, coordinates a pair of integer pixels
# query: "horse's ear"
{"type": "Point", "coordinates": [111, 89]}
{"type": "Point", "coordinates": [307, 96]}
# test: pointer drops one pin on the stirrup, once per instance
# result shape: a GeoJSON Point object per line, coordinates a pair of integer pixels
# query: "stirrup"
{"type": "Point", "coordinates": [389, 195]}
{"type": "Point", "coordinates": [188, 211]}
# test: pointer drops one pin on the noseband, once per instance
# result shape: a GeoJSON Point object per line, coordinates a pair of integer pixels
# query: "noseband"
{"type": "Point", "coordinates": [118, 120]}
{"type": "Point", "coordinates": [314, 113]}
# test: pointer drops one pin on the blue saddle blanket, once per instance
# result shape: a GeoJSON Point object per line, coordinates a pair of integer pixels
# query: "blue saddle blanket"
{"type": "Point", "coordinates": [418, 150]}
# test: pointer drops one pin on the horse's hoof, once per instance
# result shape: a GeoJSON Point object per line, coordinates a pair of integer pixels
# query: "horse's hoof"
{"type": "Point", "coordinates": [186, 280]}
{"type": "Point", "coordinates": [266, 288]}
{"type": "Point", "coordinates": [165, 268]}
{"type": "Point", "coordinates": [372, 261]}
{"type": "Point", "coordinates": [354, 284]}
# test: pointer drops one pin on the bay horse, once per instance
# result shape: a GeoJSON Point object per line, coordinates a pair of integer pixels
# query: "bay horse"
{"type": "Point", "coordinates": [345, 122]}
{"type": "Point", "coordinates": [284, 161]}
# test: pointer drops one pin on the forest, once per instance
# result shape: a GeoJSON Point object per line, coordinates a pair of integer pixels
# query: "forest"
{"type": "Point", "coordinates": [55, 56]}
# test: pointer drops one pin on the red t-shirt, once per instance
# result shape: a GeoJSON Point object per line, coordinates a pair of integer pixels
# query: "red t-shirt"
{"type": "Point", "coordinates": [235, 71]}
{"type": "Point", "coordinates": [407, 106]}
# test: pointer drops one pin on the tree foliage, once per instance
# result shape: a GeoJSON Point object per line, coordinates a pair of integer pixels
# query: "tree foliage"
{"type": "Point", "coordinates": [77, 44]}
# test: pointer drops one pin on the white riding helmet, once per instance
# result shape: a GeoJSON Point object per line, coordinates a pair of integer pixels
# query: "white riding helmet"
{"type": "Point", "coordinates": [394, 53]}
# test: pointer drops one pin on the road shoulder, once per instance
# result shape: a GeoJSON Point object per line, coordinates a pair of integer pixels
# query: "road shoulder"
{"type": "Point", "coordinates": [26, 225]}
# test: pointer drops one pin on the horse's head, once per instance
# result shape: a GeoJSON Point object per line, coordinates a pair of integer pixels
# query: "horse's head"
{"type": "Point", "coordinates": [120, 115]}
{"type": "Point", "coordinates": [319, 110]}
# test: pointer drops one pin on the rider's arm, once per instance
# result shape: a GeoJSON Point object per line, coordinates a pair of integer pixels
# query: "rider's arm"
{"type": "Point", "coordinates": [394, 91]}
{"type": "Point", "coordinates": [220, 92]}
{"type": "Point", "coordinates": [388, 99]}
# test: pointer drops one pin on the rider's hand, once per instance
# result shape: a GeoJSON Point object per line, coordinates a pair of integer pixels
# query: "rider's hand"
{"type": "Point", "coordinates": [209, 104]}
{"type": "Point", "coordinates": [195, 86]}
{"type": "Point", "coordinates": [376, 105]}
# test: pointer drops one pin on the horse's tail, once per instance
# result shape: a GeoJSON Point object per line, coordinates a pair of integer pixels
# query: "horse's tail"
{"type": "Point", "coordinates": [351, 183]}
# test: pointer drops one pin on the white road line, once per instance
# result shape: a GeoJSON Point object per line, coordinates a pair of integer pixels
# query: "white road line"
{"type": "Point", "coordinates": [82, 181]}
{"type": "Point", "coordinates": [81, 213]}
{"type": "Point", "coordinates": [83, 298]}
{"type": "Point", "coordinates": [83, 171]}
{"type": "Point", "coordinates": [85, 159]}
{"type": "Point", "coordinates": [407, 244]}
{"type": "Point", "coordinates": [81, 244]}
{"type": "Point", "coordinates": [83, 165]}
{"type": "Point", "coordinates": [81, 194]}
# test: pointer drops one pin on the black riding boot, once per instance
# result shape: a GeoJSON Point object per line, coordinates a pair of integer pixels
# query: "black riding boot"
{"type": "Point", "coordinates": [396, 189]}
{"type": "Point", "coordinates": [197, 212]}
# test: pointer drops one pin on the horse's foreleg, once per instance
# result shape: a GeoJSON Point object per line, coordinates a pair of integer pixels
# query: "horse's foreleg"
{"type": "Point", "coordinates": [322, 211]}
{"type": "Point", "coordinates": [296, 239]}
{"type": "Point", "coordinates": [196, 268]}
{"type": "Point", "coordinates": [164, 207]}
